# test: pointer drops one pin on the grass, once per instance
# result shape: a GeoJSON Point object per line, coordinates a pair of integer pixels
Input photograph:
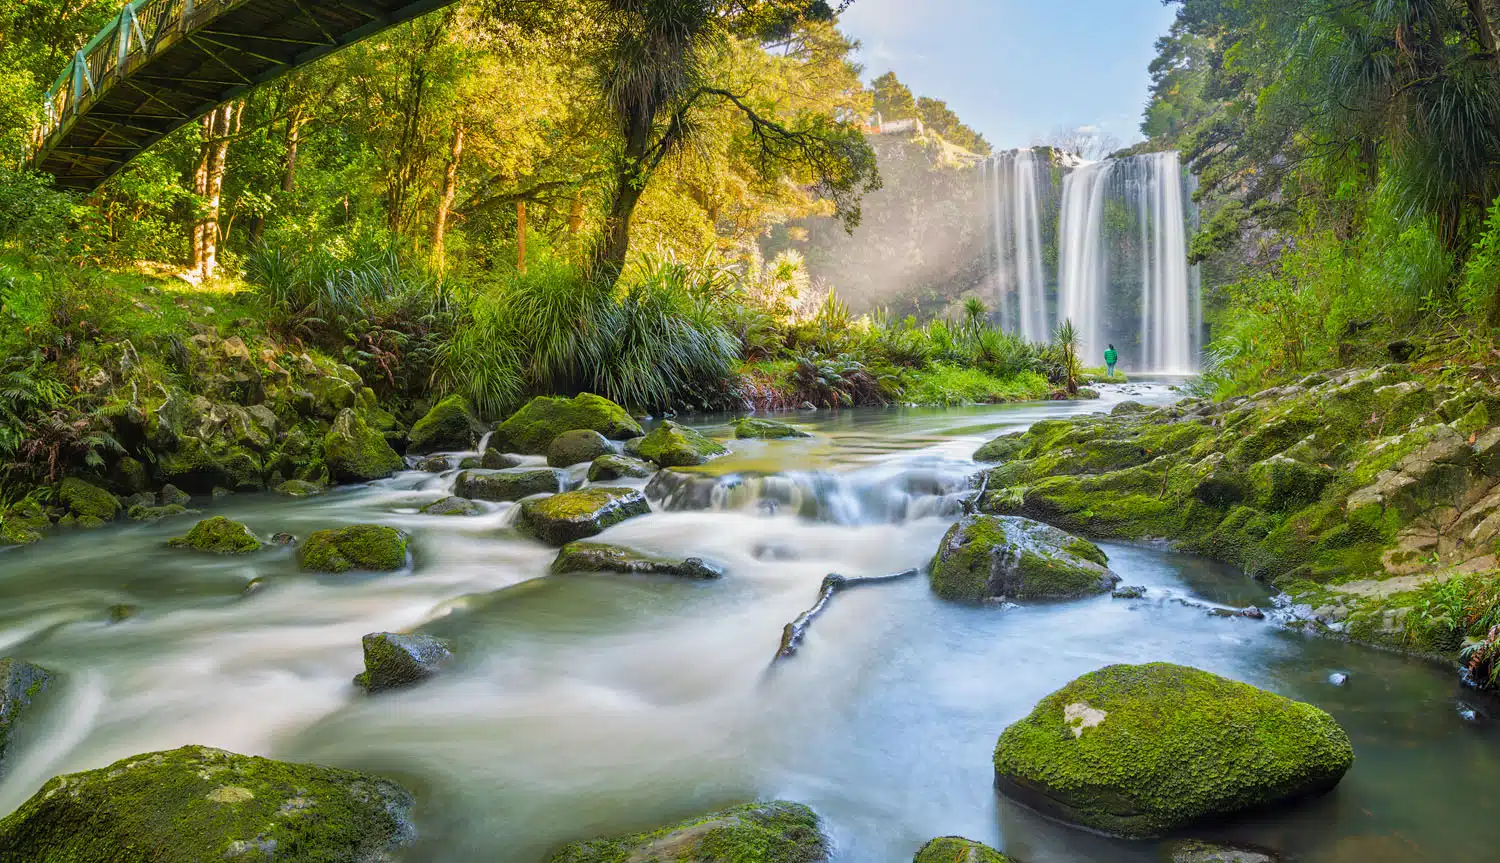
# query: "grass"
{"type": "Point", "coordinates": [950, 385]}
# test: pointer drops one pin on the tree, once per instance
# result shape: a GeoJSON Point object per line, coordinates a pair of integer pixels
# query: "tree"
{"type": "Point", "coordinates": [893, 100]}
{"type": "Point", "coordinates": [1086, 142]}
{"type": "Point", "coordinates": [938, 117]}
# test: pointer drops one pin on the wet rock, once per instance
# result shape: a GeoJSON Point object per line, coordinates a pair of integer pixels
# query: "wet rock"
{"type": "Point", "coordinates": [450, 426]}
{"type": "Point", "coordinates": [358, 453]}
{"type": "Point", "coordinates": [1128, 408]}
{"type": "Point", "coordinates": [452, 506]}
{"type": "Point", "coordinates": [1142, 750]}
{"type": "Point", "coordinates": [509, 485]}
{"type": "Point", "coordinates": [777, 832]}
{"type": "Point", "coordinates": [575, 515]}
{"type": "Point", "coordinates": [1338, 678]}
{"type": "Point", "coordinates": [607, 468]}
{"type": "Point", "coordinates": [20, 685]}
{"type": "Point", "coordinates": [673, 445]}
{"type": "Point", "coordinates": [301, 456]}
{"type": "Point", "coordinates": [1194, 851]}
{"type": "Point", "coordinates": [298, 488]}
{"type": "Point", "coordinates": [218, 535]}
{"type": "Point", "coordinates": [200, 804]}
{"type": "Point", "coordinates": [156, 513]}
{"type": "Point", "coordinates": [985, 557]}
{"type": "Point", "coordinates": [1129, 592]}
{"type": "Point", "coordinates": [472, 462]}
{"type": "Point", "coordinates": [122, 612]}
{"type": "Point", "coordinates": [1468, 713]}
{"type": "Point", "coordinates": [601, 557]}
{"type": "Point", "coordinates": [532, 429]}
{"type": "Point", "coordinates": [1252, 613]}
{"type": "Point", "coordinates": [435, 464]}
{"type": "Point", "coordinates": [394, 660]}
{"type": "Point", "coordinates": [757, 428]}
{"type": "Point", "coordinates": [89, 505]}
{"type": "Point", "coordinates": [1001, 449]}
{"type": "Point", "coordinates": [283, 539]}
{"type": "Point", "coordinates": [954, 849]}
{"type": "Point", "coordinates": [494, 459]}
{"type": "Point", "coordinates": [253, 586]}
{"type": "Point", "coordinates": [140, 499]}
{"type": "Point", "coordinates": [219, 492]}
{"type": "Point", "coordinates": [576, 447]}
{"type": "Point", "coordinates": [367, 547]}
{"type": "Point", "coordinates": [1088, 394]}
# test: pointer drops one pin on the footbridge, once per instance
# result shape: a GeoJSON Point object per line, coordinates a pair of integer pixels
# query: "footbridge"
{"type": "Point", "coordinates": [163, 63]}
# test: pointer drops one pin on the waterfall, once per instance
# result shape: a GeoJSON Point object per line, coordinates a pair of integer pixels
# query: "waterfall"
{"type": "Point", "coordinates": [1083, 265]}
{"type": "Point", "coordinates": [1169, 330]}
{"type": "Point", "coordinates": [1016, 206]}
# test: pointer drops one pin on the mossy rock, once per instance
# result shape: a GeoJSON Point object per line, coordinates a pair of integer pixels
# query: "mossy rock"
{"type": "Point", "coordinates": [450, 426]}
{"type": "Point", "coordinates": [452, 506]}
{"type": "Point", "coordinates": [395, 660]}
{"type": "Point", "coordinates": [331, 395]}
{"type": "Point", "coordinates": [216, 463]}
{"type": "Point", "coordinates": [532, 429]}
{"type": "Point", "coordinates": [156, 513]}
{"type": "Point", "coordinates": [358, 453]}
{"type": "Point", "coordinates": [954, 849]}
{"type": "Point", "coordinates": [23, 523]}
{"type": "Point", "coordinates": [218, 535]}
{"type": "Point", "coordinates": [369, 547]}
{"type": "Point", "coordinates": [435, 464]}
{"type": "Point", "coordinates": [171, 495]}
{"type": "Point", "coordinates": [1194, 851]}
{"type": "Point", "coordinates": [299, 488]}
{"type": "Point", "coordinates": [1002, 449]}
{"type": "Point", "coordinates": [673, 445]}
{"type": "Point", "coordinates": [495, 459]}
{"type": "Point", "coordinates": [197, 804]}
{"type": "Point", "coordinates": [1284, 484]}
{"type": "Point", "coordinates": [509, 485]}
{"type": "Point", "coordinates": [984, 557]}
{"type": "Point", "coordinates": [776, 832]}
{"type": "Point", "coordinates": [577, 447]}
{"type": "Point", "coordinates": [607, 468]}
{"type": "Point", "coordinates": [20, 685]}
{"type": "Point", "coordinates": [301, 455]}
{"type": "Point", "coordinates": [87, 501]}
{"type": "Point", "coordinates": [602, 557]}
{"type": "Point", "coordinates": [757, 428]}
{"type": "Point", "coordinates": [1143, 750]}
{"type": "Point", "coordinates": [571, 516]}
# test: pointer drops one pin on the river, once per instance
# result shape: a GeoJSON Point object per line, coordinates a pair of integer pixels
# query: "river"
{"type": "Point", "coordinates": [592, 705]}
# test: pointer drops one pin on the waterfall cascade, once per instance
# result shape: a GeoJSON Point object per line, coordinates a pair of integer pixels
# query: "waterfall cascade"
{"type": "Point", "coordinates": [1118, 230]}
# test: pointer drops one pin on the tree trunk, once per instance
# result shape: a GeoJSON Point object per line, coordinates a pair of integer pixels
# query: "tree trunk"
{"type": "Point", "coordinates": [1483, 29]}
{"type": "Point", "coordinates": [221, 122]}
{"type": "Point", "coordinates": [445, 197]}
{"type": "Point", "coordinates": [521, 237]}
{"type": "Point", "coordinates": [200, 188]}
{"type": "Point", "coordinates": [630, 182]}
{"type": "Point", "coordinates": [575, 216]}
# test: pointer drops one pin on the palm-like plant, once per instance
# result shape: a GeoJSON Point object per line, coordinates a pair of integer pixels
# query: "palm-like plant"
{"type": "Point", "coordinates": [1066, 341]}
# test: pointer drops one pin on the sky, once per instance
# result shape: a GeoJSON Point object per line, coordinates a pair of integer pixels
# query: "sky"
{"type": "Point", "coordinates": [1017, 69]}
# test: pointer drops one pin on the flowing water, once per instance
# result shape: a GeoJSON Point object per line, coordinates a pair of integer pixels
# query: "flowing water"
{"type": "Point", "coordinates": [589, 705]}
{"type": "Point", "coordinates": [1015, 180]}
{"type": "Point", "coordinates": [1083, 255]}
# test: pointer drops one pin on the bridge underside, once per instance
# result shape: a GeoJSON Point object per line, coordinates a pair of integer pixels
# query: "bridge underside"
{"type": "Point", "coordinates": [187, 67]}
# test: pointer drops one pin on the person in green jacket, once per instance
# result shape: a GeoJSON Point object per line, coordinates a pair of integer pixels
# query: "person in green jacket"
{"type": "Point", "coordinates": [1110, 358]}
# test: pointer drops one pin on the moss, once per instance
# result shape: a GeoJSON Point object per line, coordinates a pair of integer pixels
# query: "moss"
{"type": "Point", "coordinates": [201, 466]}
{"type": "Point", "coordinates": [612, 467]}
{"type": "Point", "coordinates": [156, 513]}
{"type": "Point", "coordinates": [600, 557]}
{"type": "Point", "coordinates": [451, 506]}
{"type": "Point", "coordinates": [23, 523]}
{"type": "Point", "coordinates": [576, 447]}
{"type": "Point", "coordinates": [218, 535]}
{"type": "Point", "coordinates": [298, 488]}
{"type": "Point", "coordinates": [195, 804]}
{"type": "Point", "coordinates": [172, 495]}
{"type": "Point", "coordinates": [953, 849]}
{"type": "Point", "coordinates": [449, 426]}
{"type": "Point", "coordinates": [758, 428]}
{"type": "Point", "coordinates": [1284, 484]}
{"type": "Point", "coordinates": [301, 456]}
{"type": "Point", "coordinates": [20, 685]}
{"type": "Point", "coordinates": [575, 515]}
{"type": "Point", "coordinates": [358, 453]}
{"type": "Point", "coordinates": [362, 546]}
{"type": "Point", "coordinates": [532, 429]}
{"type": "Point", "coordinates": [673, 445]}
{"type": "Point", "coordinates": [509, 485]}
{"type": "Point", "coordinates": [986, 556]}
{"type": "Point", "coordinates": [757, 833]}
{"type": "Point", "coordinates": [1002, 449]}
{"type": "Point", "coordinates": [397, 660]}
{"type": "Point", "coordinates": [88, 501]}
{"type": "Point", "coordinates": [1140, 751]}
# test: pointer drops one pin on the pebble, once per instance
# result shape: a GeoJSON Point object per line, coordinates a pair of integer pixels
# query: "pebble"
{"type": "Point", "coordinates": [1338, 678]}
{"type": "Point", "coordinates": [283, 539]}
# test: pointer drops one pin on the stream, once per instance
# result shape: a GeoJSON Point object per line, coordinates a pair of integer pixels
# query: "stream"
{"type": "Point", "coordinates": [593, 705]}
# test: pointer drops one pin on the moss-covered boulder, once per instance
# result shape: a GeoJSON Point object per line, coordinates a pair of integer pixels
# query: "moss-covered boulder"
{"type": "Point", "coordinates": [954, 849]}
{"type": "Point", "coordinates": [776, 832]}
{"type": "Point", "coordinates": [300, 455]}
{"type": "Point", "coordinates": [20, 685]}
{"type": "Point", "coordinates": [602, 557]}
{"type": "Point", "coordinates": [89, 504]}
{"type": "Point", "coordinates": [450, 426]}
{"type": "Point", "coordinates": [1142, 750]}
{"type": "Point", "coordinates": [197, 804]}
{"type": "Point", "coordinates": [23, 523]}
{"type": "Point", "coordinates": [156, 513]}
{"type": "Point", "coordinates": [673, 445]}
{"type": "Point", "coordinates": [217, 462]}
{"type": "Point", "coordinates": [394, 660]}
{"type": "Point", "coordinates": [759, 428]}
{"type": "Point", "coordinates": [299, 488]}
{"type": "Point", "coordinates": [508, 485]}
{"type": "Point", "coordinates": [571, 516]}
{"type": "Point", "coordinates": [1282, 484]}
{"type": "Point", "coordinates": [1001, 449]}
{"type": "Point", "coordinates": [358, 453]}
{"type": "Point", "coordinates": [218, 535]}
{"type": "Point", "coordinates": [496, 459]}
{"type": "Point", "coordinates": [576, 447]}
{"type": "Point", "coordinates": [452, 506]}
{"type": "Point", "coordinates": [171, 495]}
{"type": "Point", "coordinates": [532, 429]}
{"type": "Point", "coordinates": [607, 468]}
{"type": "Point", "coordinates": [985, 557]}
{"type": "Point", "coordinates": [370, 547]}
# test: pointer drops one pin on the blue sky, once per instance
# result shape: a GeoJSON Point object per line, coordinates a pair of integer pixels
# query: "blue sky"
{"type": "Point", "coordinates": [1017, 69]}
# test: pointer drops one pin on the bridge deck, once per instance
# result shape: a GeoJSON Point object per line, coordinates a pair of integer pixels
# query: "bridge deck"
{"type": "Point", "coordinates": [164, 63]}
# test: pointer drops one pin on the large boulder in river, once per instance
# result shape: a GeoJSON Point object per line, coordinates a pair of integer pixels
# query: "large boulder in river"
{"type": "Point", "coordinates": [571, 516]}
{"type": "Point", "coordinates": [449, 426]}
{"type": "Point", "coordinates": [20, 684]}
{"type": "Point", "coordinates": [507, 485]}
{"type": "Point", "coordinates": [89, 505]}
{"type": "Point", "coordinates": [576, 447]}
{"type": "Point", "coordinates": [758, 428]}
{"type": "Point", "coordinates": [990, 557]}
{"type": "Point", "coordinates": [358, 453]}
{"type": "Point", "coordinates": [1002, 449]}
{"type": "Point", "coordinates": [1143, 750]}
{"type": "Point", "coordinates": [775, 832]}
{"type": "Point", "coordinates": [602, 557]}
{"type": "Point", "coordinates": [953, 849]}
{"type": "Point", "coordinates": [394, 660]}
{"type": "Point", "coordinates": [218, 535]}
{"type": "Point", "coordinates": [673, 445]}
{"type": "Point", "coordinates": [196, 804]}
{"type": "Point", "coordinates": [607, 468]}
{"type": "Point", "coordinates": [369, 547]}
{"type": "Point", "coordinates": [533, 428]}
